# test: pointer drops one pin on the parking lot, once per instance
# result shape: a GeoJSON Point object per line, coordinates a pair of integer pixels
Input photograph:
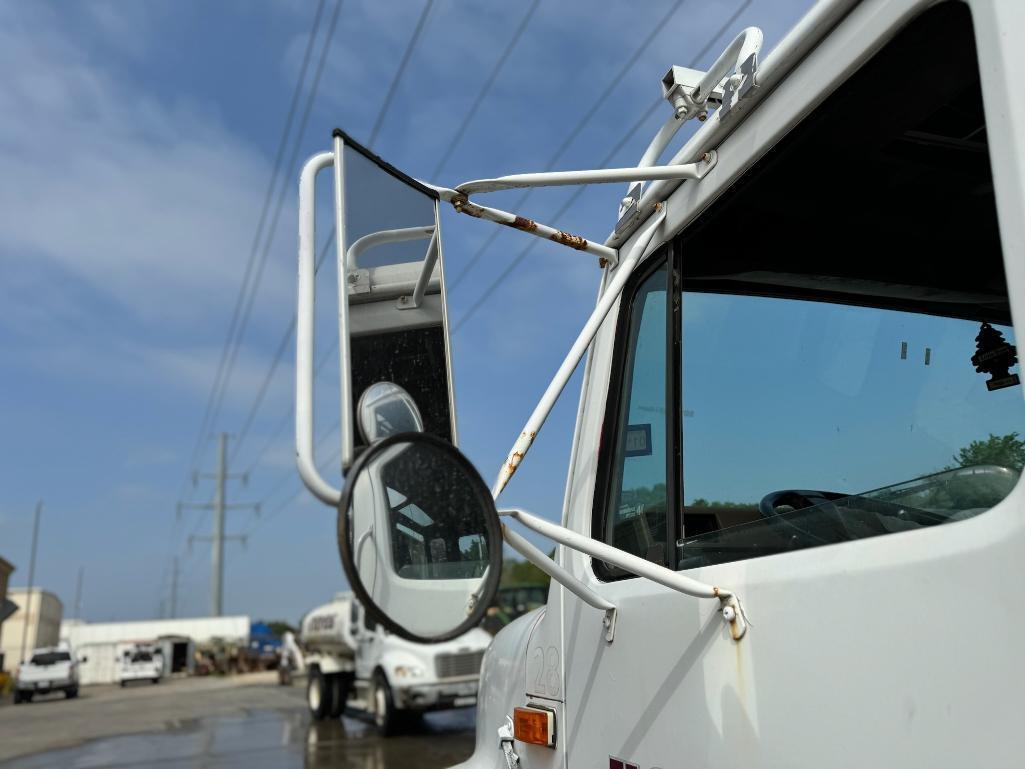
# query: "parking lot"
{"type": "Point", "coordinates": [240, 721]}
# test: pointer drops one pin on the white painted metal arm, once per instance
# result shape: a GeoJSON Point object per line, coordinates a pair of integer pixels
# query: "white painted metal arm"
{"type": "Point", "coordinates": [385, 236]}
{"type": "Point", "coordinates": [599, 176]}
{"type": "Point", "coordinates": [747, 43]}
{"type": "Point", "coordinates": [732, 611]}
{"type": "Point", "coordinates": [554, 570]}
{"type": "Point", "coordinates": [576, 352]}
{"type": "Point", "coordinates": [433, 249]}
{"type": "Point", "coordinates": [461, 204]}
{"type": "Point", "coordinates": [304, 450]}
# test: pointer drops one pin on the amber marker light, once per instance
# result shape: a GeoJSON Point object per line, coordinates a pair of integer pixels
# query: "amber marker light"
{"type": "Point", "coordinates": [534, 726]}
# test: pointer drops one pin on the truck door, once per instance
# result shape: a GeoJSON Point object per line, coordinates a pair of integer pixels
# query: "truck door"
{"type": "Point", "coordinates": [812, 400]}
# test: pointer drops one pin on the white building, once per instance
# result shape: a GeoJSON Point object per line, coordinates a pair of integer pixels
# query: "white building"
{"type": "Point", "coordinates": [42, 610]}
{"type": "Point", "coordinates": [97, 644]}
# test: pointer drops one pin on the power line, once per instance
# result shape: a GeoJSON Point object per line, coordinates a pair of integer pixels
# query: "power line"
{"type": "Point", "coordinates": [254, 249]}
{"type": "Point", "coordinates": [278, 356]}
{"type": "Point", "coordinates": [269, 240]}
{"type": "Point", "coordinates": [402, 68]}
{"type": "Point", "coordinates": [486, 88]}
{"type": "Point", "coordinates": [577, 129]}
{"type": "Point", "coordinates": [483, 297]}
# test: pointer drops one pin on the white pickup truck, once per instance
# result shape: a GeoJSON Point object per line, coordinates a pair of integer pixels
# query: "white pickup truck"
{"type": "Point", "coordinates": [49, 669]}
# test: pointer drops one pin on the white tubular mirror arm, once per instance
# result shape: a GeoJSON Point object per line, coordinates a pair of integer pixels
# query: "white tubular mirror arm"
{"type": "Point", "coordinates": [733, 615]}
{"type": "Point", "coordinates": [748, 42]}
{"type": "Point", "coordinates": [563, 577]}
{"type": "Point", "coordinates": [576, 352]}
{"type": "Point", "coordinates": [426, 271]}
{"type": "Point", "coordinates": [598, 176]}
{"type": "Point", "coordinates": [386, 236]}
{"type": "Point", "coordinates": [304, 449]}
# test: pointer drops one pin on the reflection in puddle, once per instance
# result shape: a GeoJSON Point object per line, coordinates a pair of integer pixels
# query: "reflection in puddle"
{"type": "Point", "coordinates": [274, 739]}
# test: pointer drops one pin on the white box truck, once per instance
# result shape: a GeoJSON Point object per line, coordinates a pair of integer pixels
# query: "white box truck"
{"type": "Point", "coordinates": [352, 662]}
{"type": "Point", "coordinates": [800, 404]}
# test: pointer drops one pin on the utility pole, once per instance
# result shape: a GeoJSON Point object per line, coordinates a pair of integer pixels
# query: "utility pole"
{"type": "Point", "coordinates": [174, 588]}
{"type": "Point", "coordinates": [31, 579]}
{"type": "Point", "coordinates": [78, 592]}
{"type": "Point", "coordinates": [219, 507]}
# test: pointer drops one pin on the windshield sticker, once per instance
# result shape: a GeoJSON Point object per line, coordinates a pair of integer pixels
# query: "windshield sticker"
{"type": "Point", "coordinates": [638, 440]}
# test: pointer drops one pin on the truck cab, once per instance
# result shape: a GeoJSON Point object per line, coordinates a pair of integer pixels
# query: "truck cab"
{"type": "Point", "coordinates": [793, 515]}
{"type": "Point", "coordinates": [353, 662]}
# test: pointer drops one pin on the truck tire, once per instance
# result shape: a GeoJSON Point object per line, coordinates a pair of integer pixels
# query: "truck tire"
{"type": "Point", "coordinates": [319, 695]}
{"type": "Point", "coordinates": [71, 693]}
{"type": "Point", "coordinates": [383, 705]}
{"type": "Point", "coordinates": [339, 684]}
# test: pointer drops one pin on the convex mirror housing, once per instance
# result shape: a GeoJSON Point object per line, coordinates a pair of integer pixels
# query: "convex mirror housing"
{"type": "Point", "coordinates": [419, 537]}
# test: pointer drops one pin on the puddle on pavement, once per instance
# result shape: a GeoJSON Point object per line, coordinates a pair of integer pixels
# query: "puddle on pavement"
{"type": "Point", "coordinates": [274, 740]}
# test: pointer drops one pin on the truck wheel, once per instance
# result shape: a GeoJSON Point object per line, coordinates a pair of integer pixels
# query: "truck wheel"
{"type": "Point", "coordinates": [339, 686]}
{"type": "Point", "coordinates": [319, 695]}
{"type": "Point", "coordinates": [71, 693]}
{"type": "Point", "coordinates": [18, 697]}
{"type": "Point", "coordinates": [382, 705]}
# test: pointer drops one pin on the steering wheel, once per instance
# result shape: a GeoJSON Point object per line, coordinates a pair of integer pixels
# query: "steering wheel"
{"type": "Point", "coordinates": [796, 499]}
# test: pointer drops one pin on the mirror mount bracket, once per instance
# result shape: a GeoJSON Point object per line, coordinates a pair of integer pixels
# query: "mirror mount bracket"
{"type": "Point", "coordinates": [564, 578]}
{"type": "Point", "coordinates": [729, 604]}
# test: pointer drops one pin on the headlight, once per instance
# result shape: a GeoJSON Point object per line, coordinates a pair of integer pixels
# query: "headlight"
{"type": "Point", "coordinates": [408, 671]}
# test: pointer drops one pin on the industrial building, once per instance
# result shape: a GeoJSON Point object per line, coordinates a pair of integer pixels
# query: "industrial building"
{"type": "Point", "coordinates": [36, 622]}
{"type": "Point", "coordinates": [99, 644]}
{"type": "Point", "coordinates": [7, 606]}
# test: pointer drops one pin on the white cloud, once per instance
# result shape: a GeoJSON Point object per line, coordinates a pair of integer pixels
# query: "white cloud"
{"type": "Point", "coordinates": [150, 205]}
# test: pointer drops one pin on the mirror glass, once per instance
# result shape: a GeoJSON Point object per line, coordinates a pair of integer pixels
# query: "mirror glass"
{"type": "Point", "coordinates": [392, 237]}
{"type": "Point", "coordinates": [386, 409]}
{"type": "Point", "coordinates": [419, 537]}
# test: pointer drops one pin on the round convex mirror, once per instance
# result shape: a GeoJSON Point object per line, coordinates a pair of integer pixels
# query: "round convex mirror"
{"type": "Point", "coordinates": [386, 409]}
{"type": "Point", "coordinates": [419, 537]}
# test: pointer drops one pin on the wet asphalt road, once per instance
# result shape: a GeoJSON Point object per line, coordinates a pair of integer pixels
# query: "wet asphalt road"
{"type": "Point", "coordinates": [254, 737]}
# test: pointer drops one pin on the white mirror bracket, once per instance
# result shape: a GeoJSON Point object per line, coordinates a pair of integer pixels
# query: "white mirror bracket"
{"type": "Point", "coordinates": [564, 578]}
{"type": "Point", "coordinates": [729, 603]}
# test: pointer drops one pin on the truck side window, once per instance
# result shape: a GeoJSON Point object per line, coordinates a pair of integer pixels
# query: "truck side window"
{"type": "Point", "coordinates": [635, 514]}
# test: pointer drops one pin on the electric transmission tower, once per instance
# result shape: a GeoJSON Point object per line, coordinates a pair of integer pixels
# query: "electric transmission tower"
{"type": "Point", "coordinates": [219, 506]}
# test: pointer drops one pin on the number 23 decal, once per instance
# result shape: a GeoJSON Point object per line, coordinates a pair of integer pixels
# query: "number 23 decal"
{"type": "Point", "coordinates": [548, 680]}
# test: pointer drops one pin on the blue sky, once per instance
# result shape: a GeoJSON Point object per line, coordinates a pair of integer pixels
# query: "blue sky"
{"type": "Point", "coordinates": [137, 145]}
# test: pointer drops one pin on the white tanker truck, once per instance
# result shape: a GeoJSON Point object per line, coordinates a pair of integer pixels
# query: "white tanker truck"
{"type": "Point", "coordinates": [352, 662]}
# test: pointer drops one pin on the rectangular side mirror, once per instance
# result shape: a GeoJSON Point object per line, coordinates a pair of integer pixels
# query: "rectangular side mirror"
{"type": "Point", "coordinates": [392, 318]}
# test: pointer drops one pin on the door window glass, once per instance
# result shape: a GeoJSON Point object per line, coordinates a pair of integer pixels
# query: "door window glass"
{"type": "Point", "coordinates": [827, 423]}
{"type": "Point", "coordinates": [635, 518]}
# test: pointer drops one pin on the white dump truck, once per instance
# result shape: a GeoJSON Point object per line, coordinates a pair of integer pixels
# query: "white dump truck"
{"type": "Point", "coordinates": [352, 662]}
{"type": "Point", "coordinates": [793, 523]}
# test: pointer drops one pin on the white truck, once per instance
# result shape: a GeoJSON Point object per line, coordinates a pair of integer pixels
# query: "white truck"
{"type": "Point", "coordinates": [139, 661]}
{"type": "Point", "coordinates": [793, 519]}
{"type": "Point", "coordinates": [352, 662]}
{"type": "Point", "coordinates": [49, 669]}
